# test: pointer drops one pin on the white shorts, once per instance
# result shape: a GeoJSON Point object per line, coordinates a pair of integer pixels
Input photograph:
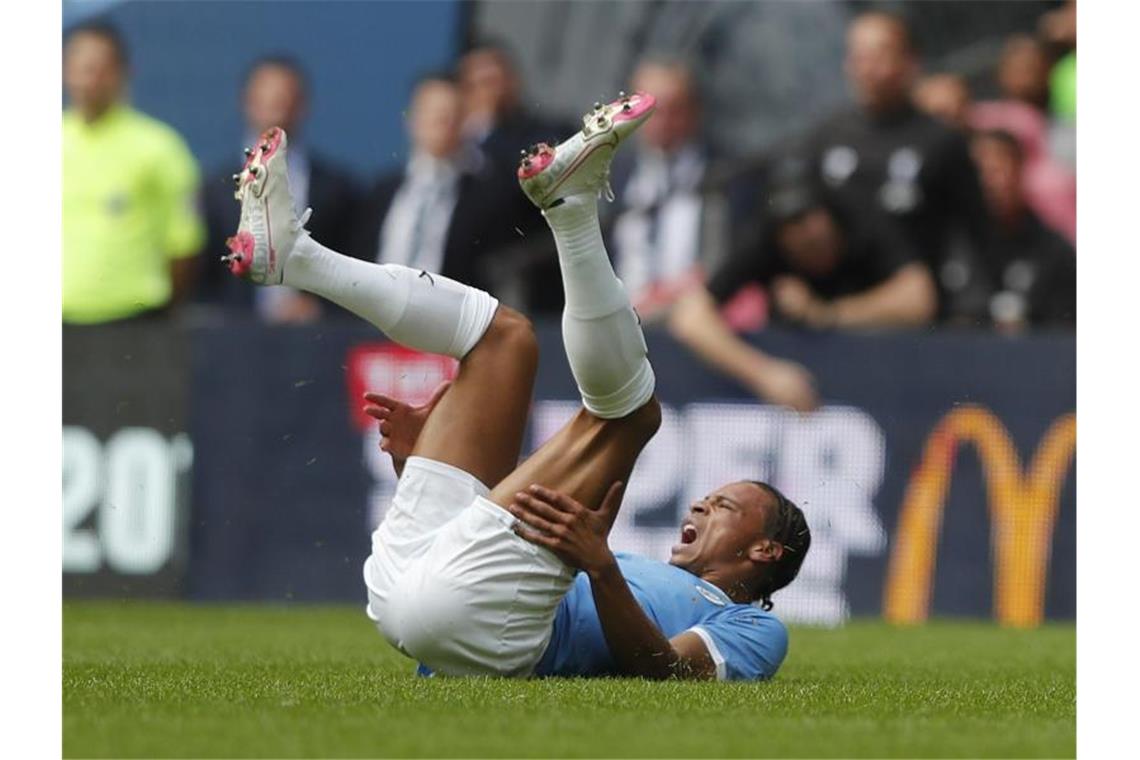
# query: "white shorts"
{"type": "Point", "coordinates": [451, 585]}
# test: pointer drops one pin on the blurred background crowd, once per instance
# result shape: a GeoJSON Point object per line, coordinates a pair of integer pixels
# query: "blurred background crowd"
{"type": "Point", "coordinates": [904, 165]}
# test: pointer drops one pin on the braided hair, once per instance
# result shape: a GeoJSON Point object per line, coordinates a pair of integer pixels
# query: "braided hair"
{"type": "Point", "coordinates": [786, 525]}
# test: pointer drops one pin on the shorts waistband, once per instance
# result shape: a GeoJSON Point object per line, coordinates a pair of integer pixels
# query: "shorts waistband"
{"type": "Point", "coordinates": [448, 471]}
{"type": "Point", "coordinates": [507, 520]}
{"type": "Point", "coordinates": [500, 515]}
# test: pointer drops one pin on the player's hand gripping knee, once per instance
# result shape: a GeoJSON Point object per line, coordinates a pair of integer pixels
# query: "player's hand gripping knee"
{"type": "Point", "coordinates": [577, 534]}
{"type": "Point", "coordinates": [400, 423]}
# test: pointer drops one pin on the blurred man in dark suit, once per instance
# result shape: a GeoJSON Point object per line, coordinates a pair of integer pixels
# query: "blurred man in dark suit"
{"type": "Point", "coordinates": [494, 117]}
{"type": "Point", "coordinates": [276, 94]}
{"type": "Point", "coordinates": [444, 210]}
{"type": "Point", "coordinates": [658, 228]}
{"type": "Point", "coordinates": [524, 273]}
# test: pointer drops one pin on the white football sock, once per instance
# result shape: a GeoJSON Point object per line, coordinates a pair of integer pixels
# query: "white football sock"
{"type": "Point", "coordinates": [423, 311]}
{"type": "Point", "coordinates": [600, 330]}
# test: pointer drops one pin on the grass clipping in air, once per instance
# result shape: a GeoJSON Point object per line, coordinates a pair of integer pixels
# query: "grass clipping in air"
{"type": "Point", "coordinates": [168, 680]}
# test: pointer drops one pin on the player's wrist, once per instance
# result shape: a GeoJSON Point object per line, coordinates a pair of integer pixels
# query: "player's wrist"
{"type": "Point", "coordinates": [605, 568]}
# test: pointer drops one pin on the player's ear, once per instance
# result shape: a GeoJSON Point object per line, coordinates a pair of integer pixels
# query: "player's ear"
{"type": "Point", "coordinates": [766, 550]}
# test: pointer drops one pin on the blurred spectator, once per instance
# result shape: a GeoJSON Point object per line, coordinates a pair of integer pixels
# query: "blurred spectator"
{"type": "Point", "coordinates": [1023, 71]}
{"type": "Point", "coordinates": [1034, 267]}
{"type": "Point", "coordinates": [1059, 30]}
{"type": "Point", "coordinates": [824, 267]}
{"type": "Point", "coordinates": [447, 209]}
{"type": "Point", "coordinates": [1058, 27]}
{"type": "Point", "coordinates": [886, 156]}
{"type": "Point", "coordinates": [1063, 88]}
{"type": "Point", "coordinates": [659, 214]}
{"type": "Point", "coordinates": [1063, 104]}
{"type": "Point", "coordinates": [767, 68]}
{"type": "Point", "coordinates": [1050, 186]}
{"type": "Point", "coordinates": [945, 97]}
{"type": "Point", "coordinates": [828, 268]}
{"type": "Point", "coordinates": [524, 272]}
{"type": "Point", "coordinates": [276, 94]}
{"type": "Point", "coordinates": [130, 228]}
{"type": "Point", "coordinates": [494, 117]}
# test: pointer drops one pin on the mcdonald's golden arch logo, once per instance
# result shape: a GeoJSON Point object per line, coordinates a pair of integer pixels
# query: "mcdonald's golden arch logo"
{"type": "Point", "coordinates": [1023, 508]}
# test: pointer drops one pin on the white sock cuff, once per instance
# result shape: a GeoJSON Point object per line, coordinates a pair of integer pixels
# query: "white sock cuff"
{"type": "Point", "coordinates": [625, 401]}
{"type": "Point", "coordinates": [478, 310]}
{"type": "Point", "coordinates": [437, 314]}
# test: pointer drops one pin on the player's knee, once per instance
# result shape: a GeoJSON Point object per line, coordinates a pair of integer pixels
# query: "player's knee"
{"type": "Point", "coordinates": [513, 333]}
{"type": "Point", "coordinates": [512, 326]}
{"type": "Point", "coordinates": [647, 417]}
{"type": "Point", "coordinates": [645, 420]}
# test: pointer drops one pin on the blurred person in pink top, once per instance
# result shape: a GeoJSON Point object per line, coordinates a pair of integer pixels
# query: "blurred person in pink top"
{"type": "Point", "coordinates": [1023, 75]}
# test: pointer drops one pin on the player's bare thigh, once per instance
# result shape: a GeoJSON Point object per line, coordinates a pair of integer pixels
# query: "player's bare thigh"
{"type": "Point", "coordinates": [586, 456]}
{"type": "Point", "coordinates": [479, 423]}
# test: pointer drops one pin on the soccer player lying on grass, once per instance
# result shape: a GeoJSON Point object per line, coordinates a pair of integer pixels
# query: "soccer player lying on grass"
{"type": "Point", "coordinates": [482, 565]}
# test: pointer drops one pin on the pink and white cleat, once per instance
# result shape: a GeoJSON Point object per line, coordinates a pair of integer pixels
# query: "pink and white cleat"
{"type": "Point", "coordinates": [269, 227]}
{"type": "Point", "coordinates": [582, 163]}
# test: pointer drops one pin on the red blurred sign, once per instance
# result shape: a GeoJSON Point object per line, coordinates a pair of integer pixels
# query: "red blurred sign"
{"type": "Point", "coordinates": [393, 370]}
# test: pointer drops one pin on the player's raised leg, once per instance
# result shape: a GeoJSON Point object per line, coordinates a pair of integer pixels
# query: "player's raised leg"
{"type": "Point", "coordinates": [602, 334]}
{"type": "Point", "coordinates": [478, 425]}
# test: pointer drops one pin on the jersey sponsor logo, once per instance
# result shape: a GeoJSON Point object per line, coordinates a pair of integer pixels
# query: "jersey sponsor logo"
{"type": "Point", "coordinates": [1023, 505]}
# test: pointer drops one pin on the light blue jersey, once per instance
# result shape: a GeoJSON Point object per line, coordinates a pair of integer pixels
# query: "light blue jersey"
{"type": "Point", "coordinates": [745, 642]}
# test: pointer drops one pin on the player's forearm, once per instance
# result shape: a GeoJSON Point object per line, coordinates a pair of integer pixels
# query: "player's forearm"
{"type": "Point", "coordinates": [637, 645]}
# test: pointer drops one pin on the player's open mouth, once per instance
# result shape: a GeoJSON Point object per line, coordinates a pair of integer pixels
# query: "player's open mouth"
{"type": "Point", "coordinates": [688, 533]}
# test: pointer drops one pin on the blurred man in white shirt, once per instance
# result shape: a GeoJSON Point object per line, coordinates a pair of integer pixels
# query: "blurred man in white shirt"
{"type": "Point", "coordinates": [443, 211]}
{"type": "Point", "coordinates": [657, 228]}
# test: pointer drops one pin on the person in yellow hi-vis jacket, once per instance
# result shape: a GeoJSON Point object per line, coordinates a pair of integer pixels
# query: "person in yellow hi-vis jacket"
{"type": "Point", "coordinates": [131, 230]}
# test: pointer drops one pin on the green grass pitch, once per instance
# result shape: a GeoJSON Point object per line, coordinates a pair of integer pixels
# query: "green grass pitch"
{"type": "Point", "coordinates": [172, 680]}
